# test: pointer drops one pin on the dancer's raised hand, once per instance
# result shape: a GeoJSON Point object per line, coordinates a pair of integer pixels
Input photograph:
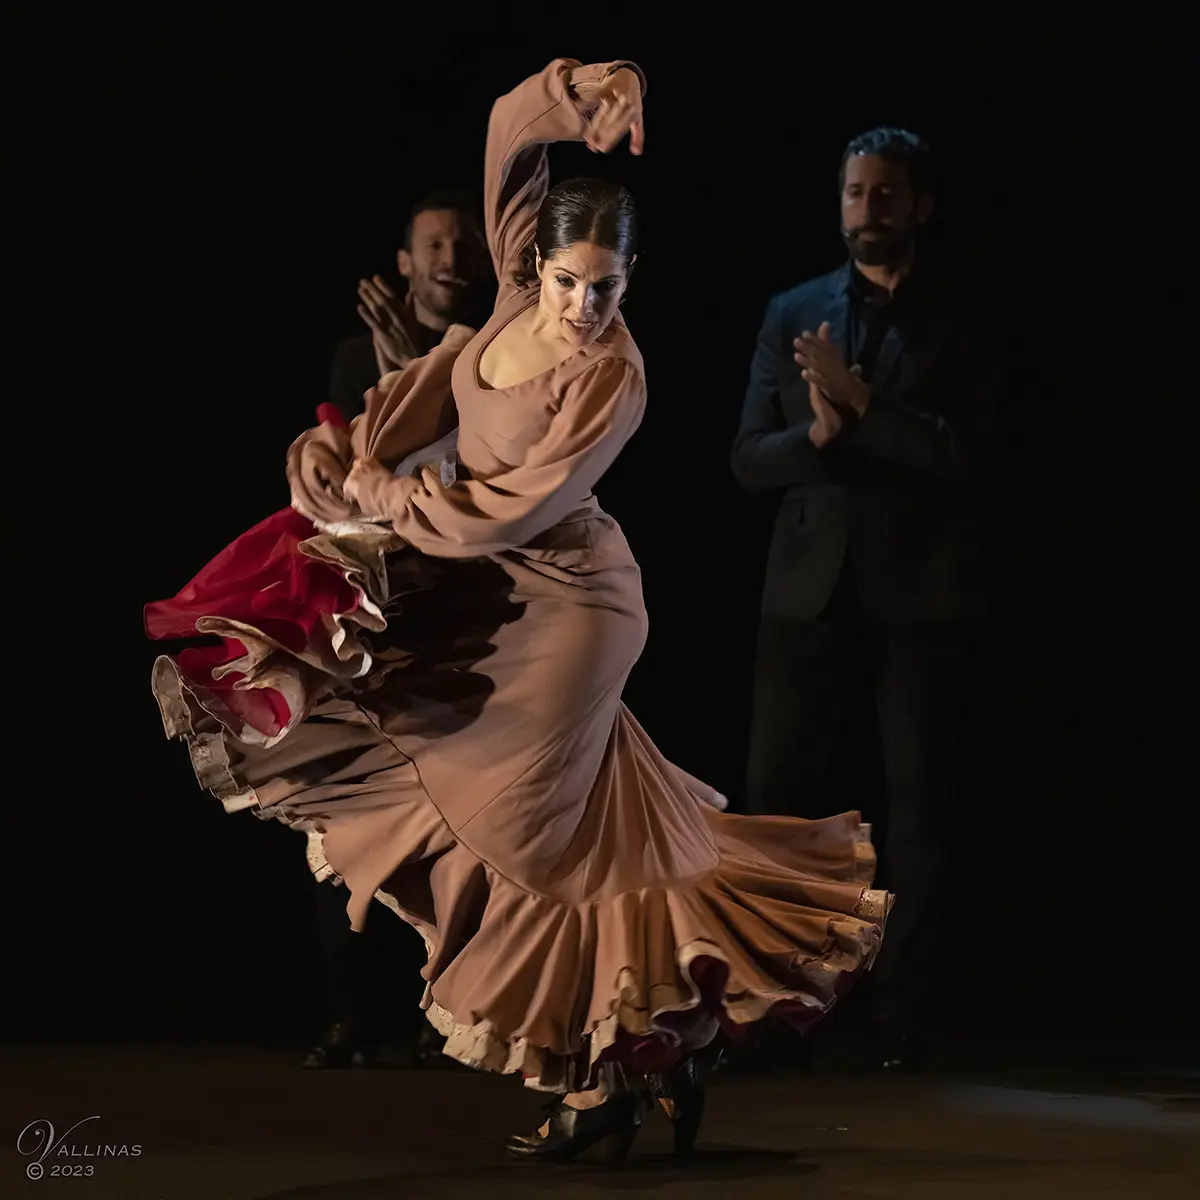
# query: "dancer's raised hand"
{"type": "Point", "coordinates": [619, 112]}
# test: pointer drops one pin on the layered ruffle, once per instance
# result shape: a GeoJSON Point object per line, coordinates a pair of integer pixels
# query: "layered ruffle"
{"type": "Point", "coordinates": [518, 982]}
{"type": "Point", "coordinates": [549, 990]}
{"type": "Point", "coordinates": [283, 609]}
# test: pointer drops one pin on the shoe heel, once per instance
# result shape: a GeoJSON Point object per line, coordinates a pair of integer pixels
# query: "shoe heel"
{"type": "Point", "coordinates": [615, 1148]}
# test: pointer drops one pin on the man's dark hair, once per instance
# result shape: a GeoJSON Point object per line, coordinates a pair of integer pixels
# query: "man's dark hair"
{"type": "Point", "coordinates": [456, 199]}
{"type": "Point", "coordinates": [898, 146]}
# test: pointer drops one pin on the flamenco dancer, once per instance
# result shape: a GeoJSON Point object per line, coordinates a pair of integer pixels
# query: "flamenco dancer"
{"type": "Point", "coordinates": [421, 665]}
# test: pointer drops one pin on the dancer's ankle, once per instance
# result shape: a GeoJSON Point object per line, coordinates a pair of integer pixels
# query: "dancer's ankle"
{"type": "Point", "coordinates": [589, 1099]}
{"type": "Point", "coordinates": [609, 1082]}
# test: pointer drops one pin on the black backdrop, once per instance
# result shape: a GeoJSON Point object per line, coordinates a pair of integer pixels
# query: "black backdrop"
{"type": "Point", "coordinates": [229, 177]}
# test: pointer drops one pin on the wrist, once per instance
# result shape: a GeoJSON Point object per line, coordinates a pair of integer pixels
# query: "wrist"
{"type": "Point", "coordinates": [366, 480]}
{"type": "Point", "coordinates": [638, 79]}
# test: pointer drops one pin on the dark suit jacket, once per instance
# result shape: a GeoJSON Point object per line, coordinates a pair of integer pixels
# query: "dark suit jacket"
{"type": "Point", "coordinates": [895, 494]}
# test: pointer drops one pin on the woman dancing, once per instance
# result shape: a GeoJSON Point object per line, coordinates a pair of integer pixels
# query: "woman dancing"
{"type": "Point", "coordinates": [448, 727]}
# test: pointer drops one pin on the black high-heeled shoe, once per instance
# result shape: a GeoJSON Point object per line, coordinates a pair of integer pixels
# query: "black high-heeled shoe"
{"type": "Point", "coordinates": [612, 1125]}
{"type": "Point", "coordinates": [682, 1087]}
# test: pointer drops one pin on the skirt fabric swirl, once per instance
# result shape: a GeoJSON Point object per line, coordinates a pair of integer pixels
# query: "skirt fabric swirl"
{"type": "Point", "coordinates": [451, 737]}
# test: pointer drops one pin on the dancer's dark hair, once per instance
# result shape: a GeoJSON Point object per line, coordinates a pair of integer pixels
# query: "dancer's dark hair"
{"type": "Point", "coordinates": [581, 210]}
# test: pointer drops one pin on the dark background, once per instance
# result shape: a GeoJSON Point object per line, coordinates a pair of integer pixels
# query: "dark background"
{"type": "Point", "coordinates": [226, 178]}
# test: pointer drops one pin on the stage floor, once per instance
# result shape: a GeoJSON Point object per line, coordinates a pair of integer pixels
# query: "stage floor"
{"type": "Point", "coordinates": [221, 1122]}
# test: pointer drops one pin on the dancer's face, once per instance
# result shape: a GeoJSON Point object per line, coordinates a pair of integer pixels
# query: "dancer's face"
{"type": "Point", "coordinates": [880, 213]}
{"type": "Point", "coordinates": [444, 265]}
{"type": "Point", "coordinates": [582, 286]}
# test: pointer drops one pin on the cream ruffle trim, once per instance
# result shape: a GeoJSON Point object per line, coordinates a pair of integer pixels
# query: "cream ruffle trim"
{"type": "Point", "coordinates": [857, 940]}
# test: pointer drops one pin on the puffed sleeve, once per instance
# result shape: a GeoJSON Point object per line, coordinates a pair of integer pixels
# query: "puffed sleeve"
{"type": "Point", "coordinates": [471, 518]}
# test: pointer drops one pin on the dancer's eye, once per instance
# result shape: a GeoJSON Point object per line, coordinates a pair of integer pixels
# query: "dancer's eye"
{"type": "Point", "coordinates": [565, 281]}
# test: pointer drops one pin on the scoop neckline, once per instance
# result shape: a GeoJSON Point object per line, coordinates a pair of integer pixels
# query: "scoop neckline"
{"type": "Point", "coordinates": [484, 386]}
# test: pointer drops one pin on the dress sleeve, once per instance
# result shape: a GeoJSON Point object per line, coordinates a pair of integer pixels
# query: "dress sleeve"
{"type": "Point", "coordinates": [472, 518]}
{"type": "Point", "coordinates": [552, 106]}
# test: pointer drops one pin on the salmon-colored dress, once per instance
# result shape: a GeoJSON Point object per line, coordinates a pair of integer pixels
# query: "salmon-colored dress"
{"type": "Point", "coordinates": [458, 747]}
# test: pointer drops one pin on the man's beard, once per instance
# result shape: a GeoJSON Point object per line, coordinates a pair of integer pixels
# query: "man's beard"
{"type": "Point", "coordinates": [889, 247]}
{"type": "Point", "coordinates": [435, 299]}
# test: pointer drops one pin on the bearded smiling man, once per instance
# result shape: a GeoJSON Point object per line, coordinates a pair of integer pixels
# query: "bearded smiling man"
{"type": "Point", "coordinates": [872, 395]}
{"type": "Point", "coordinates": [444, 262]}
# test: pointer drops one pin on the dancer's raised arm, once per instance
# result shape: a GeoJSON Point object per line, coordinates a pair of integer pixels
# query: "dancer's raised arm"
{"type": "Point", "coordinates": [567, 102]}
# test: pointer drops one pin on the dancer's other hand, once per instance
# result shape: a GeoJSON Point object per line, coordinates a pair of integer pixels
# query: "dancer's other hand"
{"type": "Point", "coordinates": [619, 112]}
{"type": "Point", "coordinates": [364, 473]}
{"type": "Point", "coordinates": [317, 467]}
